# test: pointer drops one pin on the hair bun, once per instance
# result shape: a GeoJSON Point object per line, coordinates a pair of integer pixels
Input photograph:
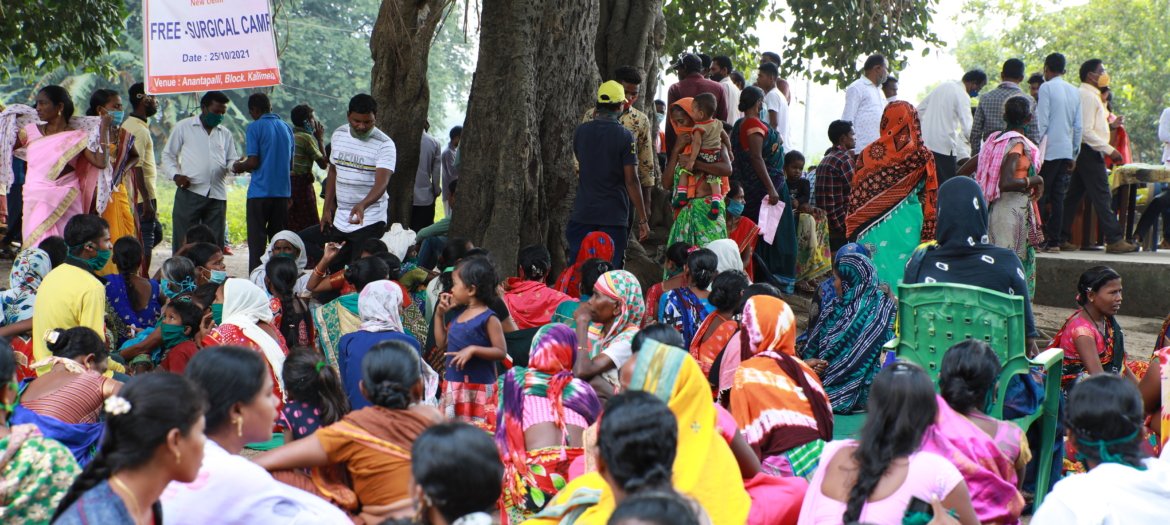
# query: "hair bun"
{"type": "Point", "coordinates": [390, 394]}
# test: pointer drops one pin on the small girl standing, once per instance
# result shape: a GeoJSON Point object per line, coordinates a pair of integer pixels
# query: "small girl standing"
{"type": "Point", "coordinates": [472, 338]}
{"type": "Point", "coordinates": [315, 397]}
{"type": "Point", "coordinates": [181, 319]}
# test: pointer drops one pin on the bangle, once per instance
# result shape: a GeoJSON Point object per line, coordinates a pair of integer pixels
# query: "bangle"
{"type": "Point", "coordinates": [319, 273]}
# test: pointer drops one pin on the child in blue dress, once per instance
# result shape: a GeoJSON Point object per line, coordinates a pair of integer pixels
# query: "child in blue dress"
{"type": "Point", "coordinates": [472, 337]}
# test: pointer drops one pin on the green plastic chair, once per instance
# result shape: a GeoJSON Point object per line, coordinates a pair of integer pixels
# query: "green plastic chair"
{"type": "Point", "coordinates": [933, 317]}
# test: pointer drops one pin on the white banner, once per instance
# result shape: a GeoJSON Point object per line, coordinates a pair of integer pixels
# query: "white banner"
{"type": "Point", "coordinates": [203, 45]}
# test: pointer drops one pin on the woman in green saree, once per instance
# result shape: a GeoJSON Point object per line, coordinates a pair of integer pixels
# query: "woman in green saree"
{"type": "Point", "coordinates": [894, 202]}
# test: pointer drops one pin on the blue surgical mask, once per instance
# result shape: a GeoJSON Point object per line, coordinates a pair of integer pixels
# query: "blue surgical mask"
{"type": "Point", "coordinates": [217, 276]}
{"type": "Point", "coordinates": [117, 117]}
{"type": "Point", "coordinates": [735, 207]}
{"type": "Point", "coordinates": [973, 93]}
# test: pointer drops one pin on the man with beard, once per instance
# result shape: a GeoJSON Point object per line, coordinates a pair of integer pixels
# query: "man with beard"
{"type": "Point", "coordinates": [143, 107]}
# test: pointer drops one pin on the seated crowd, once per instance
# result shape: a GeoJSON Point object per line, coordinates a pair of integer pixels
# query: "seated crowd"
{"type": "Point", "coordinates": [365, 385]}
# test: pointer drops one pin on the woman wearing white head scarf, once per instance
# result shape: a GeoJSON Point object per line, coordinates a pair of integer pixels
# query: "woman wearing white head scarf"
{"type": "Point", "coordinates": [246, 321]}
{"type": "Point", "coordinates": [380, 308]}
{"type": "Point", "coordinates": [727, 251]}
{"type": "Point", "coordinates": [284, 244]}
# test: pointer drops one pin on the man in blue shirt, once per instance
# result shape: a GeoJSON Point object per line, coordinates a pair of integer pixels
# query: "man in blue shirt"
{"type": "Point", "coordinates": [607, 182]}
{"type": "Point", "coordinates": [269, 154]}
{"type": "Point", "coordinates": [1058, 120]}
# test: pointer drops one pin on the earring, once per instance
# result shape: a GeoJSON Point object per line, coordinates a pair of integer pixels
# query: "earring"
{"type": "Point", "coordinates": [239, 426]}
{"type": "Point", "coordinates": [178, 457]}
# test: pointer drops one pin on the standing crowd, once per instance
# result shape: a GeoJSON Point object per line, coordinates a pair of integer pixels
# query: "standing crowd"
{"type": "Point", "coordinates": [364, 372]}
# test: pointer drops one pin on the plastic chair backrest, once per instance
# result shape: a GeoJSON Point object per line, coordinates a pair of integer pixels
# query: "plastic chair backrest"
{"type": "Point", "coordinates": [933, 317]}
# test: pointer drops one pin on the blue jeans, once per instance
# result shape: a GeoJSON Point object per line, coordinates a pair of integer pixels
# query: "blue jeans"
{"type": "Point", "coordinates": [575, 233]}
{"type": "Point", "coordinates": [428, 253]}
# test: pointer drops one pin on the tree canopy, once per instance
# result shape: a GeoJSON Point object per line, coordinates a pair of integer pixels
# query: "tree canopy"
{"type": "Point", "coordinates": [42, 35]}
{"type": "Point", "coordinates": [1122, 33]}
{"type": "Point", "coordinates": [826, 37]}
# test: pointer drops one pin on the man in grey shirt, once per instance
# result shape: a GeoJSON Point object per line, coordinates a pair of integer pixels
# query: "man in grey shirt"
{"type": "Point", "coordinates": [197, 156]}
{"type": "Point", "coordinates": [427, 185]}
{"type": "Point", "coordinates": [451, 167]}
{"type": "Point", "coordinates": [989, 114]}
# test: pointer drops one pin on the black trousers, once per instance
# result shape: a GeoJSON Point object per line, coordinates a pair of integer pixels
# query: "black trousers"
{"type": "Point", "coordinates": [1090, 180]}
{"type": "Point", "coordinates": [422, 216]}
{"type": "Point", "coordinates": [945, 166]}
{"type": "Point", "coordinates": [1056, 179]}
{"type": "Point", "coordinates": [315, 240]}
{"type": "Point", "coordinates": [265, 218]}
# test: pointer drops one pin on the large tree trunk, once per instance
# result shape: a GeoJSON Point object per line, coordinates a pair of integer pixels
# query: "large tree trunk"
{"type": "Point", "coordinates": [631, 33]}
{"type": "Point", "coordinates": [400, 45]}
{"type": "Point", "coordinates": [534, 79]}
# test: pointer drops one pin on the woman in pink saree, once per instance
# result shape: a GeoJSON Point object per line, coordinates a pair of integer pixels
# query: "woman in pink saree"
{"type": "Point", "coordinates": [989, 453]}
{"type": "Point", "coordinates": [67, 160]}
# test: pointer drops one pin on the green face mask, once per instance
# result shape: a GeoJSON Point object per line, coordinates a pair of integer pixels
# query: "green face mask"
{"type": "Point", "coordinates": [217, 313]}
{"type": "Point", "coordinates": [360, 136]}
{"type": "Point", "coordinates": [173, 334]}
{"type": "Point", "coordinates": [99, 261]}
{"type": "Point", "coordinates": [211, 120]}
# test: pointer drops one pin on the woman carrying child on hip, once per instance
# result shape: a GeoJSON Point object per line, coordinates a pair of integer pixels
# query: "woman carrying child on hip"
{"type": "Point", "coordinates": [472, 338]}
{"type": "Point", "coordinates": [698, 196]}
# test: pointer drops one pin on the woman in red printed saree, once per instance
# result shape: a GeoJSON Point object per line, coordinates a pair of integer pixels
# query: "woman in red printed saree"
{"type": "Point", "coordinates": [894, 203]}
{"type": "Point", "coordinates": [543, 414]}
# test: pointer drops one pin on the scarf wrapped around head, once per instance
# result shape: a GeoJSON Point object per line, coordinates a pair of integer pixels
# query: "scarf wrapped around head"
{"type": "Point", "coordinates": [727, 253]}
{"type": "Point", "coordinates": [850, 334]}
{"type": "Point", "coordinates": [380, 307]}
{"type": "Point", "coordinates": [596, 245]}
{"type": "Point", "coordinates": [623, 287]}
{"type": "Point", "coordinates": [890, 169]}
{"type": "Point", "coordinates": [776, 399]}
{"type": "Point", "coordinates": [688, 106]}
{"type": "Point", "coordinates": [769, 324]}
{"type": "Point", "coordinates": [549, 375]}
{"type": "Point", "coordinates": [245, 305]}
{"type": "Point", "coordinates": [704, 467]}
{"type": "Point", "coordinates": [29, 268]}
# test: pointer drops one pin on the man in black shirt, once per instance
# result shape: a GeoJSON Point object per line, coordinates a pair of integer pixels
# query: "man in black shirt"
{"type": "Point", "coordinates": [607, 182]}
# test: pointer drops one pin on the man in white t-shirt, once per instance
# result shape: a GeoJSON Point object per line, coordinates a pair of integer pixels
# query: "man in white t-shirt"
{"type": "Point", "coordinates": [774, 101]}
{"type": "Point", "coordinates": [361, 161]}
